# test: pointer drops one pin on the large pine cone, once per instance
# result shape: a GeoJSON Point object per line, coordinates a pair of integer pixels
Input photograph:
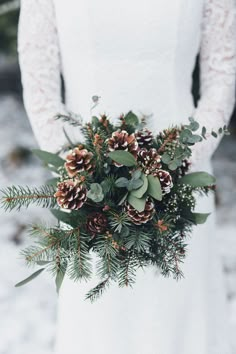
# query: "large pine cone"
{"type": "Point", "coordinates": [97, 223]}
{"type": "Point", "coordinates": [144, 138]}
{"type": "Point", "coordinates": [165, 180]}
{"type": "Point", "coordinates": [71, 194]}
{"type": "Point", "coordinates": [143, 217]}
{"type": "Point", "coordinates": [79, 160]}
{"type": "Point", "coordinates": [121, 140]}
{"type": "Point", "coordinates": [150, 161]}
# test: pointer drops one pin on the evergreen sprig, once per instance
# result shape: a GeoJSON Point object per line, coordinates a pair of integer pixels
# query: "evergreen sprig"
{"type": "Point", "coordinates": [18, 197]}
{"type": "Point", "coordinates": [71, 119]}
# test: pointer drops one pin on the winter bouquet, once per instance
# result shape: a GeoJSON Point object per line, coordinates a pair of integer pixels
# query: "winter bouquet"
{"type": "Point", "coordinates": [124, 194]}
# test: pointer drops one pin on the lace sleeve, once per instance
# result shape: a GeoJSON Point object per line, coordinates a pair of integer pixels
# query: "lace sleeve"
{"type": "Point", "coordinates": [39, 59]}
{"type": "Point", "coordinates": [218, 72]}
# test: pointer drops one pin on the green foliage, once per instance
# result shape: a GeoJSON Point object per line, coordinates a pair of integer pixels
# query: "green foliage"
{"type": "Point", "coordinates": [198, 179]}
{"type": "Point", "coordinates": [59, 279]}
{"type": "Point", "coordinates": [95, 193]}
{"type": "Point", "coordinates": [72, 217]}
{"type": "Point", "coordinates": [49, 159]}
{"type": "Point", "coordinates": [79, 264]}
{"type": "Point", "coordinates": [154, 187]}
{"type": "Point", "coordinates": [71, 119]}
{"type": "Point", "coordinates": [131, 119]}
{"type": "Point", "coordinates": [95, 293]}
{"type": "Point", "coordinates": [18, 197]}
{"type": "Point", "coordinates": [118, 221]}
{"type": "Point", "coordinates": [122, 157]}
{"type": "Point", "coordinates": [127, 270]}
{"type": "Point", "coordinates": [120, 246]}
{"type": "Point", "coordinates": [197, 218]}
{"type": "Point", "coordinates": [30, 278]}
{"type": "Point", "coordinates": [137, 203]}
{"type": "Point", "coordinates": [132, 184]}
{"type": "Point", "coordinates": [139, 193]}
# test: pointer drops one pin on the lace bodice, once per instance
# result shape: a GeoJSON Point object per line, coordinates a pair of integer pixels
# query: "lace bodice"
{"type": "Point", "coordinates": [41, 66]}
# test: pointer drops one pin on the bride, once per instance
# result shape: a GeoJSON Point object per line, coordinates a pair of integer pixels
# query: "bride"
{"type": "Point", "coordinates": [136, 55]}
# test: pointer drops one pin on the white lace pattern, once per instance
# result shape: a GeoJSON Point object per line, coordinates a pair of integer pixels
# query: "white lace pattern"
{"type": "Point", "coordinates": [218, 72]}
{"type": "Point", "coordinates": [39, 57]}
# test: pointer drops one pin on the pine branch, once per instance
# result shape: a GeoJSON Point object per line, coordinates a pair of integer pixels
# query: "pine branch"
{"type": "Point", "coordinates": [70, 119]}
{"type": "Point", "coordinates": [79, 266]}
{"type": "Point", "coordinates": [18, 197]}
{"type": "Point", "coordinates": [138, 240]}
{"type": "Point", "coordinates": [98, 290]}
{"type": "Point", "coordinates": [127, 271]}
{"type": "Point", "coordinates": [107, 265]}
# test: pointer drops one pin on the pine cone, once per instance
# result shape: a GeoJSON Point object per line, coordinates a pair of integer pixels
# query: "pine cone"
{"type": "Point", "coordinates": [165, 180]}
{"type": "Point", "coordinates": [139, 218]}
{"type": "Point", "coordinates": [97, 223]}
{"type": "Point", "coordinates": [79, 160]}
{"type": "Point", "coordinates": [71, 195]}
{"type": "Point", "coordinates": [144, 138]}
{"type": "Point", "coordinates": [150, 161]}
{"type": "Point", "coordinates": [121, 140]}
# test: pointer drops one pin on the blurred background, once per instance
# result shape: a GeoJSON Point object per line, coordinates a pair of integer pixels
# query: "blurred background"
{"type": "Point", "coordinates": [28, 314]}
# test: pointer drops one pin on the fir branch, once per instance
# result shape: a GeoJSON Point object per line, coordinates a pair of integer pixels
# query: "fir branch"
{"type": "Point", "coordinates": [138, 240]}
{"type": "Point", "coordinates": [79, 266]}
{"type": "Point", "coordinates": [98, 290]}
{"type": "Point", "coordinates": [71, 119]}
{"type": "Point", "coordinates": [107, 264]}
{"type": "Point", "coordinates": [127, 271]}
{"type": "Point", "coordinates": [18, 197]}
{"type": "Point", "coordinates": [118, 221]}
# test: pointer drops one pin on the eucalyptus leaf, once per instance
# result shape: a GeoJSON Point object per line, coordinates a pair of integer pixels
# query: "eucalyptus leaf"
{"type": "Point", "coordinates": [154, 187]}
{"type": "Point", "coordinates": [95, 121]}
{"type": "Point", "coordinates": [197, 218]}
{"type": "Point", "coordinates": [30, 278]}
{"type": "Point", "coordinates": [138, 193]}
{"type": "Point", "coordinates": [214, 134]}
{"type": "Point", "coordinates": [137, 203]}
{"type": "Point", "coordinates": [204, 132]}
{"type": "Point", "coordinates": [198, 179]}
{"type": "Point", "coordinates": [134, 184]}
{"type": "Point", "coordinates": [131, 119]}
{"type": "Point", "coordinates": [70, 218]}
{"type": "Point", "coordinates": [95, 193]}
{"type": "Point", "coordinates": [43, 263]}
{"type": "Point", "coordinates": [122, 182]}
{"type": "Point", "coordinates": [59, 279]}
{"type": "Point", "coordinates": [122, 157]}
{"type": "Point", "coordinates": [166, 158]}
{"type": "Point", "coordinates": [136, 175]}
{"type": "Point", "coordinates": [48, 158]}
{"type": "Point", "coordinates": [173, 165]}
{"type": "Point", "coordinates": [123, 199]}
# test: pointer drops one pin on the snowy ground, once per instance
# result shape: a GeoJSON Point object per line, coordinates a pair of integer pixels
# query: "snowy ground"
{"type": "Point", "coordinates": [28, 314]}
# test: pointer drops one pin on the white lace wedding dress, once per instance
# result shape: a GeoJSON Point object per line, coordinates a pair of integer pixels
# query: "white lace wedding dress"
{"type": "Point", "coordinates": [139, 55]}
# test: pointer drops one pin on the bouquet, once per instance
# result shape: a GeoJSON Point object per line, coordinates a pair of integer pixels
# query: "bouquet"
{"type": "Point", "coordinates": [123, 194]}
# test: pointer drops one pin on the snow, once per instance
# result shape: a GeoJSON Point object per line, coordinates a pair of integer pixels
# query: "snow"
{"type": "Point", "coordinates": [28, 314]}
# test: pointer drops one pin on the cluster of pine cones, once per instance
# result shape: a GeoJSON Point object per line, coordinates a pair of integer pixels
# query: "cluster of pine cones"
{"type": "Point", "coordinates": [71, 194]}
